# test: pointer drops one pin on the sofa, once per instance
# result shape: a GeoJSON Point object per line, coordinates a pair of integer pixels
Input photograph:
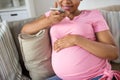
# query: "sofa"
{"type": "Point", "coordinates": [10, 35]}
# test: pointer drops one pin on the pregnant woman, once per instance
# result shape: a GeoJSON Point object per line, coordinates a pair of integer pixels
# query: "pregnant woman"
{"type": "Point", "coordinates": [82, 44]}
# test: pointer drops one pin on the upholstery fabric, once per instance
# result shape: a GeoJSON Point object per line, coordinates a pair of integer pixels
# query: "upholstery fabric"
{"type": "Point", "coordinates": [36, 51]}
{"type": "Point", "coordinates": [10, 68]}
{"type": "Point", "coordinates": [15, 28]}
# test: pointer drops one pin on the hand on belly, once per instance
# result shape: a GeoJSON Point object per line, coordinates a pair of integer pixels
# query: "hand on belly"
{"type": "Point", "coordinates": [64, 42]}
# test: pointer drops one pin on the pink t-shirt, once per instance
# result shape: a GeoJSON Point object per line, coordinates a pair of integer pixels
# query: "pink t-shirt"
{"type": "Point", "coordinates": [76, 63]}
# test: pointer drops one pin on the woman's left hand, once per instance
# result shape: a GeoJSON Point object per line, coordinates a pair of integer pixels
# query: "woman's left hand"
{"type": "Point", "coordinates": [64, 42]}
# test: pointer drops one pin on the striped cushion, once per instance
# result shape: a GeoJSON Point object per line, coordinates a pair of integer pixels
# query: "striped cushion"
{"type": "Point", "coordinates": [10, 68]}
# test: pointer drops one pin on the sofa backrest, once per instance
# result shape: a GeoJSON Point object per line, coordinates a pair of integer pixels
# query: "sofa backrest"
{"type": "Point", "coordinates": [111, 8]}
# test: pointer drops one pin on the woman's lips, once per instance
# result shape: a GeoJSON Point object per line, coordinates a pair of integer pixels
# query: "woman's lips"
{"type": "Point", "coordinates": [66, 7]}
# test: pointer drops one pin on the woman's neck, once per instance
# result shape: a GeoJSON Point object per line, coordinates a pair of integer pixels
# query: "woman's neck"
{"type": "Point", "coordinates": [71, 15]}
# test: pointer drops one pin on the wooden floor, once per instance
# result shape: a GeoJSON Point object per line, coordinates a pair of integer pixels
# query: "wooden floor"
{"type": "Point", "coordinates": [115, 66]}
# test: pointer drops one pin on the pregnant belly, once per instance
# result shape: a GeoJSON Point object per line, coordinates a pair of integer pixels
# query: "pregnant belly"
{"type": "Point", "coordinates": [74, 61]}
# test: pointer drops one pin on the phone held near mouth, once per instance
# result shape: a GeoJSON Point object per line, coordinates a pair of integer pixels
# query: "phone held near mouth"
{"type": "Point", "coordinates": [57, 9]}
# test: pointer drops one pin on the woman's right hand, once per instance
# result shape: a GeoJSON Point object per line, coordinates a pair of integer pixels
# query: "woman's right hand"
{"type": "Point", "coordinates": [56, 17]}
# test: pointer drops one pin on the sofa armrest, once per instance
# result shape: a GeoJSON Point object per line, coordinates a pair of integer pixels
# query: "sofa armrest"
{"type": "Point", "coordinates": [15, 28]}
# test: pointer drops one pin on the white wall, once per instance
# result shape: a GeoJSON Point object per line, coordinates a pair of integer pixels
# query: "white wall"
{"type": "Point", "coordinates": [42, 6]}
{"type": "Point", "coordinates": [91, 4]}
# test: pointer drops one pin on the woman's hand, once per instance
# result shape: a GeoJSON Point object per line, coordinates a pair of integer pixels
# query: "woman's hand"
{"type": "Point", "coordinates": [64, 42]}
{"type": "Point", "coordinates": [56, 17]}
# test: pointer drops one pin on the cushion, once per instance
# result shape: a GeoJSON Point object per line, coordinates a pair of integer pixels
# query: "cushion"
{"type": "Point", "coordinates": [10, 68]}
{"type": "Point", "coordinates": [36, 51]}
{"type": "Point", "coordinates": [113, 20]}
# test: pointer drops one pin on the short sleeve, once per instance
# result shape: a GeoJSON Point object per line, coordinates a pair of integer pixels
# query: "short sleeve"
{"type": "Point", "coordinates": [99, 23]}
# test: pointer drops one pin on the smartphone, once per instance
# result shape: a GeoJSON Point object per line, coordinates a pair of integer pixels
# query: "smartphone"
{"type": "Point", "coordinates": [57, 9]}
